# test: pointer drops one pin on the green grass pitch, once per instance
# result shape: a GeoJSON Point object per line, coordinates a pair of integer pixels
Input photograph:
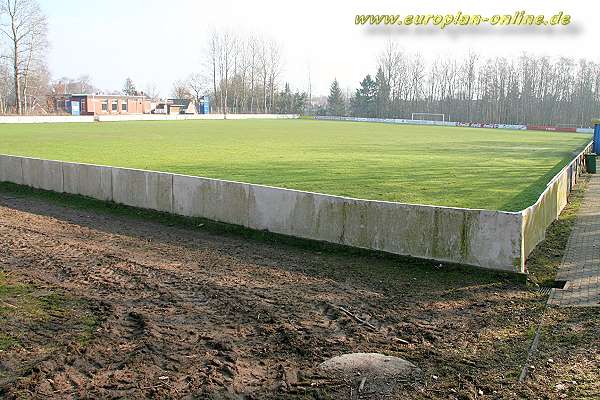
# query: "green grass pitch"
{"type": "Point", "coordinates": [462, 167]}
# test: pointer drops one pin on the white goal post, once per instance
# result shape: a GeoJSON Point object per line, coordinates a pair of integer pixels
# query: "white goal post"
{"type": "Point", "coordinates": [428, 117]}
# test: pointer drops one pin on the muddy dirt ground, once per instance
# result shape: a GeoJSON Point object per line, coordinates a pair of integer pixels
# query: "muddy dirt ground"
{"type": "Point", "coordinates": [98, 305]}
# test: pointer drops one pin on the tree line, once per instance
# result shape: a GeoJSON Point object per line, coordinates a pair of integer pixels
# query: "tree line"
{"type": "Point", "coordinates": [24, 76]}
{"type": "Point", "coordinates": [242, 73]}
{"type": "Point", "coordinates": [526, 89]}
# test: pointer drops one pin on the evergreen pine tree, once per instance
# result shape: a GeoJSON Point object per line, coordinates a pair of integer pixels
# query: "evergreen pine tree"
{"type": "Point", "coordinates": [129, 88]}
{"type": "Point", "coordinates": [363, 102]}
{"type": "Point", "coordinates": [382, 95]}
{"type": "Point", "coordinates": [336, 104]}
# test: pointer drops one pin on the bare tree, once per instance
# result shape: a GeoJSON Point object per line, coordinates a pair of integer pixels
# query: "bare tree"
{"type": "Point", "coordinates": [222, 54]}
{"type": "Point", "coordinates": [24, 26]}
{"type": "Point", "coordinates": [84, 84]}
{"type": "Point", "coordinates": [224, 67]}
{"type": "Point", "coordinates": [245, 72]}
{"type": "Point", "coordinates": [65, 85]}
{"type": "Point", "coordinates": [417, 68]}
{"type": "Point", "coordinates": [181, 90]}
{"type": "Point", "coordinates": [309, 89]}
{"type": "Point", "coordinates": [5, 87]}
{"type": "Point", "coordinates": [263, 71]}
{"type": "Point", "coordinates": [243, 68]}
{"type": "Point", "coordinates": [35, 43]}
{"type": "Point", "coordinates": [527, 89]}
{"type": "Point", "coordinates": [254, 46]}
{"type": "Point", "coordinates": [468, 76]}
{"type": "Point", "coordinates": [214, 51]}
{"type": "Point", "coordinates": [274, 67]}
{"type": "Point", "coordinates": [197, 86]}
{"type": "Point", "coordinates": [391, 63]}
{"type": "Point", "coordinates": [152, 92]}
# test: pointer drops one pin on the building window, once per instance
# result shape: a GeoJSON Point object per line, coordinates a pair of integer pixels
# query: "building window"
{"type": "Point", "coordinates": [83, 105]}
{"type": "Point", "coordinates": [124, 105]}
{"type": "Point", "coordinates": [114, 106]}
{"type": "Point", "coordinates": [104, 105]}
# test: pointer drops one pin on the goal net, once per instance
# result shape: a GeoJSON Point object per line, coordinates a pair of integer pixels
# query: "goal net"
{"type": "Point", "coordinates": [428, 117]}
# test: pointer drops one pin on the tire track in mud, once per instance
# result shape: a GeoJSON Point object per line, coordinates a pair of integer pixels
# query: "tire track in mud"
{"type": "Point", "coordinates": [191, 314]}
{"type": "Point", "coordinates": [153, 308]}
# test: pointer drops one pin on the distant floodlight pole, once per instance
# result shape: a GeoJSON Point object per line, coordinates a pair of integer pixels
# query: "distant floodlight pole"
{"type": "Point", "coordinates": [596, 147]}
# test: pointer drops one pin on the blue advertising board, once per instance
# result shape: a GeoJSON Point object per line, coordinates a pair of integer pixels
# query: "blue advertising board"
{"type": "Point", "coordinates": [596, 147]}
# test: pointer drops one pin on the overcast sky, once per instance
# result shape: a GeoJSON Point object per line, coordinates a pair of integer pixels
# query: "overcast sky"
{"type": "Point", "coordinates": [158, 41]}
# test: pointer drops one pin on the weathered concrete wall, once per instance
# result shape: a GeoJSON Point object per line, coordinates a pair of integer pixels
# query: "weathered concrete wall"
{"type": "Point", "coordinates": [26, 119]}
{"type": "Point", "coordinates": [489, 239]}
{"type": "Point", "coordinates": [43, 174]}
{"type": "Point", "coordinates": [88, 180]}
{"type": "Point", "coordinates": [183, 117]}
{"type": "Point", "coordinates": [538, 217]}
{"type": "Point", "coordinates": [484, 238]}
{"type": "Point", "coordinates": [143, 189]}
{"type": "Point", "coordinates": [11, 169]}
{"type": "Point", "coordinates": [219, 200]}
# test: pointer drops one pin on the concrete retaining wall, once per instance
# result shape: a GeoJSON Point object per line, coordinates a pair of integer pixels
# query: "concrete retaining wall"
{"type": "Point", "coordinates": [476, 237]}
{"type": "Point", "coordinates": [43, 174]}
{"type": "Point", "coordinates": [538, 217]}
{"type": "Point", "coordinates": [11, 169]}
{"type": "Point", "coordinates": [88, 180]}
{"type": "Point", "coordinates": [183, 117]}
{"type": "Point", "coordinates": [143, 189]}
{"type": "Point", "coordinates": [25, 119]}
{"type": "Point", "coordinates": [490, 239]}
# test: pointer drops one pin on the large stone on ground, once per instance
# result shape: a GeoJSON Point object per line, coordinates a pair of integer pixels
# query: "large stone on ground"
{"type": "Point", "coordinates": [373, 364]}
{"type": "Point", "coordinates": [372, 374]}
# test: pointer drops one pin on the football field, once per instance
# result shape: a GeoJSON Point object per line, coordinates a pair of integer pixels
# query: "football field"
{"type": "Point", "coordinates": [448, 166]}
